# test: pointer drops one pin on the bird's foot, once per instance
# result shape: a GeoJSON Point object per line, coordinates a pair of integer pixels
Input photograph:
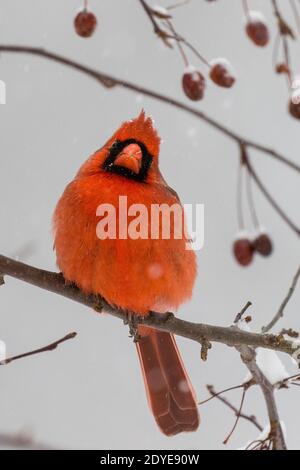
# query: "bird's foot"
{"type": "Point", "coordinates": [165, 317]}
{"type": "Point", "coordinates": [98, 305]}
{"type": "Point", "coordinates": [131, 320]}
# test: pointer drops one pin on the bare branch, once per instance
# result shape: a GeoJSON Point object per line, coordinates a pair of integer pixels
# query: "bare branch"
{"type": "Point", "coordinates": [266, 193]}
{"type": "Point", "coordinates": [50, 347]}
{"type": "Point", "coordinates": [248, 356]}
{"type": "Point", "coordinates": [251, 418]}
{"type": "Point", "coordinates": [238, 416]}
{"type": "Point", "coordinates": [286, 300]}
{"type": "Point", "coordinates": [110, 81]}
{"type": "Point", "coordinates": [241, 313]}
{"type": "Point", "coordinates": [199, 332]}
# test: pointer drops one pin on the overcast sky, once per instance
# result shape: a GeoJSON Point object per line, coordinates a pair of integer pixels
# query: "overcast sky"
{"type": "Point", "coordinates": [89, 393]}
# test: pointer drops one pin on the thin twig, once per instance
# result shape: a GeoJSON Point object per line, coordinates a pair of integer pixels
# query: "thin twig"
{"type": "Point", "coordinates": [270, 198]}
{"type": "Point", "coordinates": [50, 347]}
{"type": "Point", "coordinates": [157, 29]}
{"type": "Point", "coordinates": [179, 45]}
{"type": "Point", "coordinates": [284, 303]}
{"type": "Point", "coordinates": [179, 4]}
{"type": "Point", "coordinates": [238, 416]}
{"type": "Point", "coordinates": [226, 402]}
{"type": "Point", "coordinates": [173, 35]}
{"type": "Point", "coordinates": [241, 313]}
{"type": "Point", "coordinates": [287, 380]}
{"type": "Point", "coordinates": [218, 394]}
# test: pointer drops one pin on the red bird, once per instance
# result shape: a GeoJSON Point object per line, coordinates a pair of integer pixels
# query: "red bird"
{"type": "Point", "coordinates": [137, 275]}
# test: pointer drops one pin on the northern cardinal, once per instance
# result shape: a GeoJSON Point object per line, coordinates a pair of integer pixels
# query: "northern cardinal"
{"type": "Point", "coordinates": [136, 275]}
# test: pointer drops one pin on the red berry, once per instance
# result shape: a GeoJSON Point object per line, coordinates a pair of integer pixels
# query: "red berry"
{"type": "Point", "coordinates": [294, 109]}
{"type": "Point", "coordinates": [85, 23]}
{"type": "Point", "coordinates": [221, 76]}
{"type": "Point", "coordinates": [263, 244]}
{"type": "Point", "coordinates": [243, 251]}
{"type": "Point", "coordinates": [193, 84]}
{"type": "Point", "coordinates": [257, 30]}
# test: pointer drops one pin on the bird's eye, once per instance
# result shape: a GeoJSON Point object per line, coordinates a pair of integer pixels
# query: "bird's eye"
{"type": "Point", "coordinates": [114, 147]}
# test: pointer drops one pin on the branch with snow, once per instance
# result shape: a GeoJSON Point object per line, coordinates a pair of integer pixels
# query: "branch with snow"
{"type": "Point", "coordinates": [276, 434]}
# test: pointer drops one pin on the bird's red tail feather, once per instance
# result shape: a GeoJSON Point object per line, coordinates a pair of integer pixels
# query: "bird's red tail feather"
{"type": "Point", "coordinates": [170, 393]}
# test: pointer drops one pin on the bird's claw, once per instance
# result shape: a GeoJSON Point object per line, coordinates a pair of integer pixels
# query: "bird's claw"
{"type": "Point", "coordinates": [130, 320]}
{"type": "Point", "coordinates": [98, 305]}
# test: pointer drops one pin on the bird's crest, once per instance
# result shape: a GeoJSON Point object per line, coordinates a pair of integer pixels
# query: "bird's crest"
{"type": "Point", "coordinates": [140, 129]}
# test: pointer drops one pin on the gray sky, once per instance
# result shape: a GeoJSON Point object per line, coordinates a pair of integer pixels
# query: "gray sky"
{"type": "Point", "coordinates": [89, 393]}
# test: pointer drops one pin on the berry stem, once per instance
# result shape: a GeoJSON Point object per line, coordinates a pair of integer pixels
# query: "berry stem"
{"type": "Point", "coordinates": [270, 198]}
{"type": "Point", "coordinates": [251, 200]}
{"type": "Point", "coordinates": [181, 40]}
{"type": "Point", "coordinates": [276, 50]}
{"type": "Point", "coordinates": [246, 8]}
{"type": "Point", "coordinates": [287, 59]}
{"type": "Point", "coordinates": [178, 42]}
{"type": "Point", "coordinates": [239, 197]}
{"type": "Point", "coordinates": [194, 50]}
{"type": "Point", "coordinates": [85, 4]}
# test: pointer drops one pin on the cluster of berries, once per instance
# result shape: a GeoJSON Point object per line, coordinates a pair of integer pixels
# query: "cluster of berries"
{"type": "Point", "coordinates": [258, 32]}
{"type": "Point", "coordinates": [194, 83]}
{"type": "Point", "coordinates": [244, 247]}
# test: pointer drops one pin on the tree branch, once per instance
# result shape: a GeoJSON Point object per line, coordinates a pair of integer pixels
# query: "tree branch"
{"type": "Point", "coordinates": [110, 81]}
{"type": "Point", "coordinates": [267, 194]}
{"type": "Point", "coordinates": [49, 347]}
{"type": "Point", "coordinates": [248, 356]}
{"type": "Point", "coordinates": [251, 418]}
{"type": "Point", "coordinates": [286, 300]}
{"type": "Point", "coordinates": [199, 332]}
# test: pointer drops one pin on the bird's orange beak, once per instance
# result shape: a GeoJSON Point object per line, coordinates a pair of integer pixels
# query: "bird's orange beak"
{"type": "Point", "coordinates": [130, 158]}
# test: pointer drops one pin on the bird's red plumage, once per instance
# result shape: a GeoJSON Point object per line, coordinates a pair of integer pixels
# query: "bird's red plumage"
{"type": "Point", "coordinates": [136, 275]}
